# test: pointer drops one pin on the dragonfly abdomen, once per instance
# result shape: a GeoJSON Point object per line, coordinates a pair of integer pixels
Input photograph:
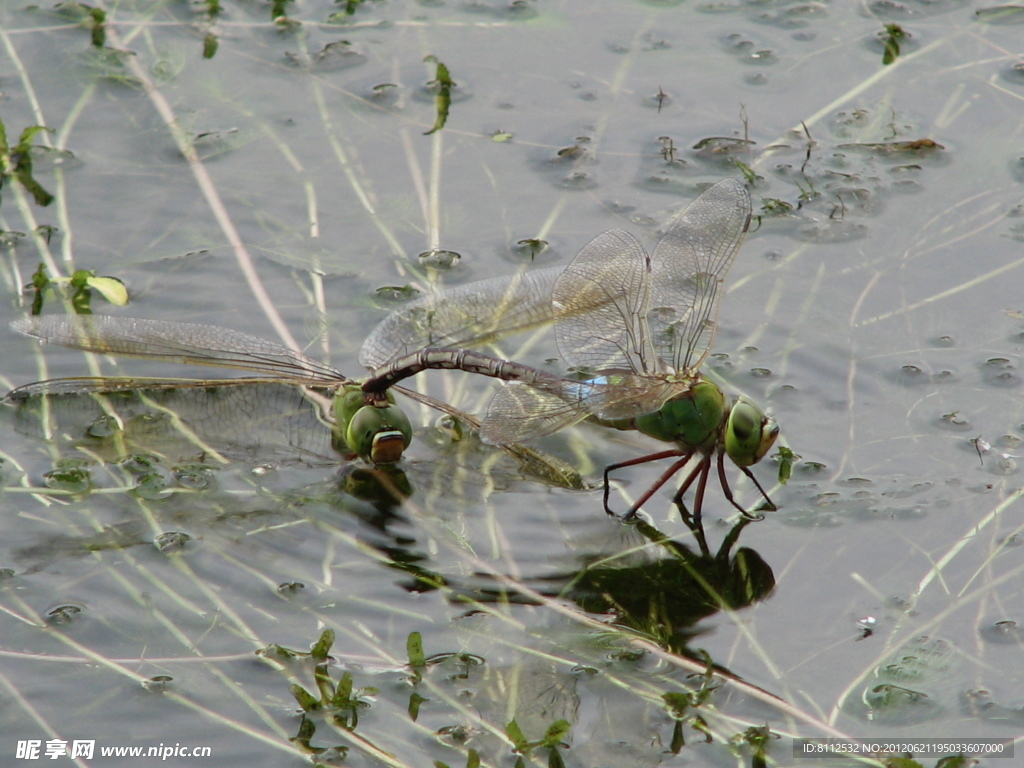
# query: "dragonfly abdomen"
{"type": "Point", "coordinates": [451, 359]}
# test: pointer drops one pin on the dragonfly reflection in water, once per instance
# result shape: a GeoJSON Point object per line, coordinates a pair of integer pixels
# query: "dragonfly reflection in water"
{"type": "Point", "coordinates": [376, 434]}
{"type": "Point", "coordinates": [638, 326]}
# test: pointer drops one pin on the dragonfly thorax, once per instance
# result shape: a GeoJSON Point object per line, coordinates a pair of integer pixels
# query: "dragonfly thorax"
{"type": "Point", "coordinates": [701, 419]}
{"type": "Point", "coordinates": [693, 419]}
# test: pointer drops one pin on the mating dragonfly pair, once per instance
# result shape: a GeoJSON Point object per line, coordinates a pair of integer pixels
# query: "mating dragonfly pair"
{"type": "Point", "coordinates": [636, 326]}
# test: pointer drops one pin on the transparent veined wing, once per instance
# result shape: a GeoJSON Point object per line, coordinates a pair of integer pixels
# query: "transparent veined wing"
{"type": "Point", "coordinates": [688, 269]}
{"type": "Point", "coordinates": [600, 306]}
{"type": "Point", "coordinates": [469, 315]}
{"type": "Point", "coordinates": [522, 411]}
{"type": "Point", "coordinates": [188, 343]}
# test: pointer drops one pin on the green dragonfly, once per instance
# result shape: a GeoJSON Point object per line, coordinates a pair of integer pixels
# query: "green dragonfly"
{"type": "Point", "coordinates": [378, 435]}
{"type": "Point", "coordinates": [637, 327]}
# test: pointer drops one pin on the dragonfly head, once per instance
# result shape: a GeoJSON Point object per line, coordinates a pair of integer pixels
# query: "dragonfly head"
{"type": "Point", "coordinates": [377, 433]}
{"type": "Point", "coordinates": [749, 433]}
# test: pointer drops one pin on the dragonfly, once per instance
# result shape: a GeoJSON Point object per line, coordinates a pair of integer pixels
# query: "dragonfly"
{"type": "Point", "coordinates": [636, 326]}
{"type": "Point", "coordinates": [378, 434]}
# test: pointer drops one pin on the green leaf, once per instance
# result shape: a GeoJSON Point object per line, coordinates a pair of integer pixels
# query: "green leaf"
{"type": "Point", "coordinates": [23, 173]}
{"type": "Point", "coordinates": [80, 277]}
{"type": "Point", "coordinates": [786, 461]}
{"type": "Point", "coordinates": [81, 301]}
{"type": "Point", "coordinates": [324, 683]}
{"type": "Point", "coordinates": [414, 705]}
{"type": "Point", "coordinates": [891, 36]}
{"type": "Point", "coordinates": [40, 282]}
{"type": "Point", "coordinates": [517, 737]}
{"type": "Point", "coordinates": [891, 52]}
{"type": "Point", "coordinates": [19, 163]}
{"type": "Point", "coordinates": [305, 699]}
{"type": "Point", "coordinates": [700, 724]}
{"type": "Point", "coordinates": [112, 289]}
{"type": "Point", "coordinates": [97, 18]}
{"type": "Point", "coordinates": [343, 694]}
{"type": "Point", "coordinates": [210, 43]}
{"type": "Point", "coordinates": [677, 703]}
{"type": "Point", "coordinates": [322, 648]}
{"type": "Point", "coordinates": [678, 738]}
{"type": "Point", "coordinates": [25, 140]}
{"type": "Point", "coordinates": [443, 99]}
{"type": "Point", "coordinates": [305, 733]}
{"type": "Point", "coordinates": [554, 734]}
{"type": "Point", "coordinates": [414, 649]}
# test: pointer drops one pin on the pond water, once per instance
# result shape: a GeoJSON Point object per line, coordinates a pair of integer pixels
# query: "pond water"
{"type": "Point", "coordinates": [165, 573]}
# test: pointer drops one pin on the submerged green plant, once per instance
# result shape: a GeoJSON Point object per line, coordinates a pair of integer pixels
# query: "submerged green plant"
{"type": "Point", "coordinates": [16, 162]}
{"type": "Point", "coordinates": [443, 84]}
{"type": "Point", "coordinates": [891, 37]}
{"type": "Point", "coordinates": [786, 459]}
{"type": "Point", "coordinates": [342, 699]}
{"type": "Point", "coordinates": [551, 740]}
{"type": "Point", "coordinates": [757, 738]}
{"type": "Point", "coordinates": [82, 283]}
{"type": "Point", "coordinates": [682, 706]}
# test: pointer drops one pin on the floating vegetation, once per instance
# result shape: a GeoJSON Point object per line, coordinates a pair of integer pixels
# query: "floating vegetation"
{"type": "Point", "coordinates": [892, 36]}
{"type": "Point", "coordinates": [442, 85]}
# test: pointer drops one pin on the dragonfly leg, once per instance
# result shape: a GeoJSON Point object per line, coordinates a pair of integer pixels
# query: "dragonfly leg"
{"type": "Point", "coordinates": [665, 476]}
{"type": "Point", "coordinates": [728, 491]}
{"type": "Point", "coordinates": [633, 462]}
{"type": "Point", "coordinates": [698, 500]}
{"type": "Point", "coordinates": [771, 504]}
{"type": "Point", "coordinates": [678, 498]}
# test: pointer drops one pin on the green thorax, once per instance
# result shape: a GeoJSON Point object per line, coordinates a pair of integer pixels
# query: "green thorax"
{"type": "Point", "coordinates": [701, 419]}
{"type": "Point", "coordinates": [693, 419]}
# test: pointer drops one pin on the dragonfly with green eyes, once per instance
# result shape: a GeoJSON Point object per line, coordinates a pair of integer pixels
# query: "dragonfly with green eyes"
{"type": "Point", "coordinates": [378, 434]}
{"type": "Point", "coordinates": [637, 327]}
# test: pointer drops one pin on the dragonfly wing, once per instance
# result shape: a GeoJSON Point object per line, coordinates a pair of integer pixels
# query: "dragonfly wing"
{"type": "Point", "coordinates": [186, 425]}
{"type": "Point", "coordinates": [465, 316]}
{"type": "Point", "coordinates": [523, 411]}
{"type": "Point", "coordinates": [85, 385]}
{"type": "Point", "coordinates": [520, 412]}
{"type": "Point", "coordinates": [688, 270]}
{"type": "Point", "coordinates": [190, 343]}
{"type": "Point", "coordinates": [600, 306]}
{"type": "Point", "coordinates": [629, 396]}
